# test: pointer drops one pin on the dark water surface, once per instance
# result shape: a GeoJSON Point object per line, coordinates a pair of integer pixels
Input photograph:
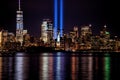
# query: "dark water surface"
{"type": "Point", "coordinates": [60, 66]}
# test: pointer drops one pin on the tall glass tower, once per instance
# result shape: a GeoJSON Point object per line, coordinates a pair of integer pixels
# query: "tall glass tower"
{"type": "Point", "coordinates": [58, 18]}
{"type": "Point", "coordinates": [19, 25]}
{"type": "Point", "coordinates": [46, 30]}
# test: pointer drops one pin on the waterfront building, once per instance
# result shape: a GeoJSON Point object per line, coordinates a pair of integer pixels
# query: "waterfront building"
{"type": "Point", "coordinates": [75, 29]}
{"type": "Point", "coordinates": [86, 33]}
{"type": "Point", "coordinates": [104, 33]}
{"type": "Point", "coordinates": [104, 38]}
{"type": "Point", "coordinates": [86, 37]}
{"type": "Point", "coordinates": [74, 34]}
{"type": "Point", "coordinates": [7, 40]}
{"type": "Point", "coordinates": [11, 37]}
{"type": "Point", "coordinates": [47, 31]}
{"type": "Point", "coordinates": [25, 32]}
{"type": "Point", "coordinates": [3, 37]}
{"type": "Point", "coordinates": [95, 42]}
{"type": "Point", "coordinates": [19, 25]}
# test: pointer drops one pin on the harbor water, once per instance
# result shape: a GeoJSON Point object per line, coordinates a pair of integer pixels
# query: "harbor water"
{"type": "Point", "coordinates": [60, 66]}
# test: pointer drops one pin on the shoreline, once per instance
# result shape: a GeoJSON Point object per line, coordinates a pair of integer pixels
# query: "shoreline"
{"type": "Point", "coordinates": [38, 49]}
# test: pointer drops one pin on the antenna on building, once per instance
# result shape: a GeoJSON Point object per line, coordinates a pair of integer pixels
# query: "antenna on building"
{"type": "Point", "coordinates": [19, 6]}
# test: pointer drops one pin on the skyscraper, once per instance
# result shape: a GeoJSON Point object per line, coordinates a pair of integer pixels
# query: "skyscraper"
{"type": "Point", "coordinates": [58, 18]}
{"type": "Point", "coordinates": [86, 33]}
{"type": "Point", "coordinates": [104, 33]}
{"type": "Point", "coordinates": [19, 25]}
{"type": "Point", "coordinates": [47, 30]}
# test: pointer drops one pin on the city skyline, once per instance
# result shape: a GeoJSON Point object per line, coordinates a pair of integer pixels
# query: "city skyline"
{"type": "Point", "coordinates": [76, 13]}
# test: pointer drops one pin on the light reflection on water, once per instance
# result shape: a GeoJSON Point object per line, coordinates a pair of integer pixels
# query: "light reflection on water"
{"type": "Point", "coordinates": [57, 66]}
{"type": "Point", "coordinates": [86, 68]}
{"type": "Point", "coordinates": [44, 67]}
{"type": "Point", "coordinates": [11, 67]}
{"type": "Point", "coordinates": [74, 67]}
{"type": "Point", "coordinates": [90, 68]}
{"type": "Point", "coordinates": [60, 68]}
{"type": "Point", "coordinates": [21, 67]}
{"type": "Point", "coordinates": [50, 68]}
{"type": "Point", "coordinates": [107, 68]}
{"type": "Point", "coordinates": [0, 68]}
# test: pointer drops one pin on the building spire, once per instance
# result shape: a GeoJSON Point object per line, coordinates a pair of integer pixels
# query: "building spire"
{"type": "Point", "coordinates": [19, 6]}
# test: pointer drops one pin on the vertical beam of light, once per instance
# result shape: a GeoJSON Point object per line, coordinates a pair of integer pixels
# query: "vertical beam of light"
{"type": "Point", "coordinates": [55, 18]}
{"type": "Point", "coordinates": [61, 18]}
{"type": "Point", "coordinates": [107, 68]}
{"type": "Point", "coordinates": [58, 37]}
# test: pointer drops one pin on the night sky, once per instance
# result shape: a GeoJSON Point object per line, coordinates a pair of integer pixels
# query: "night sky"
{"type": "Point", "coordinates": [76, 13]}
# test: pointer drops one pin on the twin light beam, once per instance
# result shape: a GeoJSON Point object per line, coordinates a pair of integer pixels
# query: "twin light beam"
{"type": "Point", "coordinates": [58, 18]}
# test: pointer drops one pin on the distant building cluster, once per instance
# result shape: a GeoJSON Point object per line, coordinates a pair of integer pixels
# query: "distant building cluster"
{"type": "Point", "coordinates": [75, 40]}
{"type": "Point", "coordinates": [83, 39]}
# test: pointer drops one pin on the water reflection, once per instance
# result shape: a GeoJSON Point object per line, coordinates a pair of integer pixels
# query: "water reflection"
{"type": "Point", "coordinates": [86, 67]}
{"type": "Point", "coordinates": [50, 68]}
{"type": "Point", "coordinates": [74, 67]}
{"type": "Point", "coordinates": [90, 68]}
{"type": "Point", "coordinates": [11, 68]}
{"type": "Point", "coordinates": [7, 68]}
{"type": "Point", "coordinates": [0, 68]}
{"type": "Point", "coordinates": [107, 68]}
{"type": "Point", "coordinates": [21, 67]}
{"type": "Point", "coordinates": [59, 67]}
{"type": "Point", "coordinates": [44, 67]}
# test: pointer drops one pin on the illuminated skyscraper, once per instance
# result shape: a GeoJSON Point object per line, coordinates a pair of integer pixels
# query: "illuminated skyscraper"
{"type": "Point", "coordinates": [3, 37]}
{"type": "Point", "coordinates": [0, 39]}
{"type": "Point", "coordinates": [46, 30]}
{"type": "Point", "coordinates": [58, 18]}
{"type": "Point", "coordinates": [104, 33]}
{"type": "Point", "coordinates": [86, 33]}
{"type": "Point", "coordinates": [19, 25]}
{"type": "Point", "coordinates": [75, 29]}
